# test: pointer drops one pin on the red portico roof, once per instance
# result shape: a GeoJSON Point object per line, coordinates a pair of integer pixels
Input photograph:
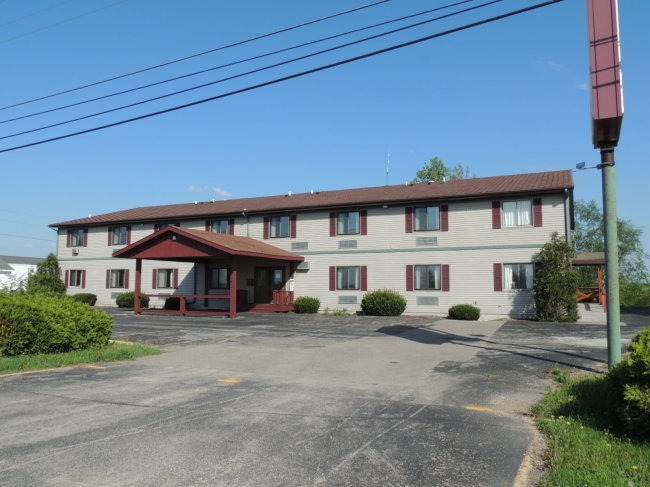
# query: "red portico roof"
{"type": "Point", "coordinates": [175, 243]}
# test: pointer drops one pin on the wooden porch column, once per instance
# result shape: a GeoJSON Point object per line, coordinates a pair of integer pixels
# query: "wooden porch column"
{"type": "Point", "coordinates": [602, 293]}
{"type": "Point", "coordinates": [138, 284]}
{"type": "Point", "coordinates": [233, 288]}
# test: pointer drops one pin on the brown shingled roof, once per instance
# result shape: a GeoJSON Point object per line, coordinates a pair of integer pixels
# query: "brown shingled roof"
{"type": "Point", "coordinates": [496, 186]}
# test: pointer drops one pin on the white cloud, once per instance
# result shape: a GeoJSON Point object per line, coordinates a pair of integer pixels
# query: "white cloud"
{"type": "Point", "coordinates": [221, 192]}
{"type": "Point", "coordinates": [553, 66]}
{"type": "Point", "coordinates": [195, 187]}
{"type": "Point", "coordinates": [583, 86]}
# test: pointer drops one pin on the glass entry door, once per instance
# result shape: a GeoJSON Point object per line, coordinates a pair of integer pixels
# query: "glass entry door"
{"type": "Point", "coordinates": [268, 279]}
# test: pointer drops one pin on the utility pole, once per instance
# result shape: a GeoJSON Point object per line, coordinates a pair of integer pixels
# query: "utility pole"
{"type": "Point", "coordinates": [607, 116]}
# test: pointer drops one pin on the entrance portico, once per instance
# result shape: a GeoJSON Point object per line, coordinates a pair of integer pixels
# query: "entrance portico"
{"type": "Point", "coordinates": [229, 264]}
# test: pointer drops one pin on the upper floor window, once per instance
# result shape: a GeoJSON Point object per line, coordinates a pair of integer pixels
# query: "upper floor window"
{"type": "Point", "coordinates": [77, 237]}
{"type": "Point", "coordinates": [518, 276]}
{"type": "Point", "coordinates": [119, 235]}
{"type": "Point", "coordinates": [427, 218]}
{"type": "Point", "coordinates": [160, 226]}
{"type": "Point", "coordinates": [428, 276]}
{"type": "Point", "coordinates": [517, 213]}
{"type": "Point", "coordinates": [280, 226]}
{"type": "Point", "coordinates": [347, 223]}
{"type": "Point", "coordinates": [220, 226]}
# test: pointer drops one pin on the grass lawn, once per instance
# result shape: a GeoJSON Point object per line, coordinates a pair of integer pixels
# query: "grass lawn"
{"type": "Point", "coordinates": [112, 352]}
{"type": "Point", "coordinates": [582, 449]}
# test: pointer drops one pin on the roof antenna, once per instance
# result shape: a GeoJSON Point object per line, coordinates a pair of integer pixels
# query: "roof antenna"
{"type": "Point", "coordinates": [387, 168]}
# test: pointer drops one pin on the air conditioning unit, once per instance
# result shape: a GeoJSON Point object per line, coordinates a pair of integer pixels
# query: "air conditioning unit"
{"type": "Point", "coordinates": [75, 251]}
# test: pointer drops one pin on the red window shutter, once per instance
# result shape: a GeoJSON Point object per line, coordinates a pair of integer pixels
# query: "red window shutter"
{"type": "Point", "coordinates": [409, 278]}
{"type": "Point", "coordinates": [128, 235]}
{"type": "Point", "coordinates": [498, 277]}
{"type": "Point", "coordinates": [231, 226]}
{"type": "Point", "coordinates": [537, 212]}
{"type": "Point", "coordinates": [126, 279]}
{"type": "Point", "coordinates": [83, 279]}
{"type": "Point", "coordinates": [444, 218]}
{"type": "Point", "coordinates": [110, 235]}
{"type": "Point", "coordinates": [67, 278]}
{"type": "Point", "coordinates": [85, 237]}
{"type": "Point", "coordinates": [332, 278]}
{"type": "Point", "coordinates": [267, 225]}
{"type": "Point", "coordinates": [408, 214]}
{"type": "Point", "coordinates": [154, 284]}
{"type": "Point", "coordinates": [496, 214]}
{"type": "Point", "coordinates": [208, 226]}
{"type": "Point", "coordinates": [293, 219]}
{"type": "Point", "coordinates": [445, 277]}
{"type": "Point", "coordinates": [69, 237]}
{"type": "Point", "coordinates": [108, 278]}
{"type": "Point", "coordinates": [364, 278]}
{"type": "Point", "coordinates": [175, 278]}
{"type": "Point", "coordinates": [332, 224]}
{"type": "Point", "coordinates": [363, 215]}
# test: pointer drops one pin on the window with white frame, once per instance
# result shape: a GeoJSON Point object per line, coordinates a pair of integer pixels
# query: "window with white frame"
{"type": "Point", "coordinates": [517, 213]}
{"type": "Point", "coordinates": [117, 278]}
{"type": "Point", "coordinates": [120, 235]}
{"type": "Point", "coordinates": [280, 226]}
{"type": "Point", "coordinates": [426, 218]}
{"type": "Point", "coordinates": [77, 237]}
{"type": "Point", "coordinates": [518, 276]}
{"type": "Point", "coordinates": [219, 278]}
{"type": "Point", "coordinates": [347, 223]}
{"type": "Point", "coordinates": [75, 278]}
{"type": "Point", "coordinates": [428, 276]}
{"type": "Point", "coordinates": [165, 279]}
{"type": "Point", "coordinates": [348, 277]}
{"type": "Point", "coordinates": [220, 226]}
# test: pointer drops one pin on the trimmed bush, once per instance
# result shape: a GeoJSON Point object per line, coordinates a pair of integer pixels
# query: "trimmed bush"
{"type": "Point", "coordinates": [306, 304]}
{"type": "Point", "coordinates": [87, 298]}
{"type": "Point", "coordinates": [383, 302]}
{"type": "Point", "coordinates": [631, 388]}
{"type": "Point", "coordinates": [127, 300]}
{"type": "Point", "coordinates": [464, 312]}
{"type": "Point", "coordinates": [33, 324]}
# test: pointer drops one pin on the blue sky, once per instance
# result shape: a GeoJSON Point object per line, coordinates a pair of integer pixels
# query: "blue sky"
{"type": "Point", "coordinates": [508, 97]}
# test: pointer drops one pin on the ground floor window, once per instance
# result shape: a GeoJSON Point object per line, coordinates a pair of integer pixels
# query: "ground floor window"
{"type": "Point", "coordinates": [348, 277]}
{"type": "Point", "coordinates": [518, 276]}
{"type": "Point", "coordinates": [75, 278]}
{"type": "Point", "coordinates": [219, 278]}
{"type": "Point", "coordinates": [117, 279]}
{"type": "Point", "coordinates": [428, 277]}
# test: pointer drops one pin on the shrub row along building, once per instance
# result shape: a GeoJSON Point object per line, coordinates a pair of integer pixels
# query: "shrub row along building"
{"type": "Point", "coordinates": [438, 244]}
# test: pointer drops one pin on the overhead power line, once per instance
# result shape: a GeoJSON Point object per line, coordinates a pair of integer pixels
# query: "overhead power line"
{"type": "Point", "coordinates": [292, 76]}
{"type": "Point", "coordinates": [254, 71]}
{"type": "Point", "coordinates": [220, 48]}
{"type": "Point", "coordinates": [253, 58]}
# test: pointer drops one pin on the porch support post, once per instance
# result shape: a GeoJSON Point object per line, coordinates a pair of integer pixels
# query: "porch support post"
{"type": "Point", "coordinates": [138, 284]}
{"type": "Point", "coordinates": [233, 288]}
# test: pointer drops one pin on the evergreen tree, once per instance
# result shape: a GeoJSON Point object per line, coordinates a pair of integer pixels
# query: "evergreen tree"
{"type": "Point", "coordinates": [556, 282]}
{"type": "Point", "coordinates": [47, 278]}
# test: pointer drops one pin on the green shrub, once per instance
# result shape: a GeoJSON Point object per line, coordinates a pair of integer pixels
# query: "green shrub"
{"type": "Point", "coordinates": [172, 303]}
{"type": "Point", "coordinates": [631, 387]}
{"type": "Point", "coordinates": [87, 298]}
{"type": "Point", "coordinates": [306, 304]}
{"type": "Point", "coordinates": [464, 312]}
{"type": "Point", "coordinates": [127, 300]}
{"type": "Point", "coordinates": [383, 302]}
{"type": "Point", "coordinates": [33, 324]}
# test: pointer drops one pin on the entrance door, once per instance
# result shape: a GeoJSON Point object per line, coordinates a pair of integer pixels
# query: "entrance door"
{"type": "Point", "coordinates": [267, 279]}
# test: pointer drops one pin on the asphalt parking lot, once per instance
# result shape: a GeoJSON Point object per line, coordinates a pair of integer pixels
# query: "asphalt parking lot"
{"type": "Point", "coordinates": [296, 400]}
